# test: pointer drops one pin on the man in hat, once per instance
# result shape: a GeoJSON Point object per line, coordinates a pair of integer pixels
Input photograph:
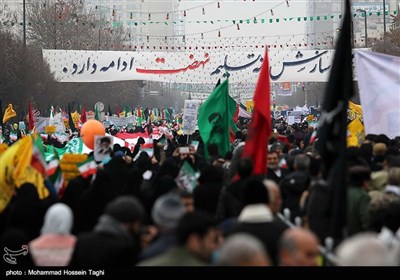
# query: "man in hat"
{"type": "Point", "coordinates": [166, 212]}
{"type": "Point", "coordinates": [114, 241]}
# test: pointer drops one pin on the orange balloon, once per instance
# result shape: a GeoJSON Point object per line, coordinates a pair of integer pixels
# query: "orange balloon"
{"type": "Point", "coordinates": [89, 130]}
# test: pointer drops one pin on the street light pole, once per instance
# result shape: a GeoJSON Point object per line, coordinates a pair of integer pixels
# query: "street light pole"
{"type": "Point", "coordinates": [55, 25]}
{"type": "Point", "coordinates": [366, 31]}
{"type": "Point", "coordinates": [384, 19]}
{"type": "Point", "coordinates": [24, 21]}
{"type": "Point", "coordinates": [365, 23]}
{"type": "Point", "coordinates": [99, 38]}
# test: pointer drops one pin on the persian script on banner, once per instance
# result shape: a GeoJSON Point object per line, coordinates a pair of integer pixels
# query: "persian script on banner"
{"type": "Point", "coordinates": [187, 67]}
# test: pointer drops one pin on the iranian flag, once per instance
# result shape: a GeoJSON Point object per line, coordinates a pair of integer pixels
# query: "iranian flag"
{"type": "Point", "coordinates": [146, 147]}
{"type": "Point", "coordinates": [38, 158]}
{"type": "Point", "coordinates": [58, 180]}
{"type": "Point", "coordinates": [88, 167]}
{"type": "Point", "coordinates": [52, 167]}
{"type": "Point", "coordinates": [55, 174]}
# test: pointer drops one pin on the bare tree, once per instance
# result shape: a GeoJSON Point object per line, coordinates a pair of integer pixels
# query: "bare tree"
{"type": "Point", "coordinates": [24, 75]}
{"type": "Point", "coordinates": [69, 24]}
{"type": "Point", "coordinates": [391, 44]}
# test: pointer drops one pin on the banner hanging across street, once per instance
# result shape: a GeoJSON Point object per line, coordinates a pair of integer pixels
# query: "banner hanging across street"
{"type": "Point", "coordinates": [187, 67]}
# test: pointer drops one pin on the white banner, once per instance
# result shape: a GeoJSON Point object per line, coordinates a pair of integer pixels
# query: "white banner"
{"type": "Point", "coordinates": [379, 84]}
{"type": "Point", "coordinates": [41, 124]}
{"type": "Point", "coordinates": [200, 95]}
{"type": "Point", "coordinates": [295, 113]}
{"type": "Point", "coordinates": [189, 119]}
{"type": "Point", "coordinates": [121, 121]}
{"type": "Point", "coordinates": [57, 121]}
{"type": "Point", "coordinates": [187, 67]}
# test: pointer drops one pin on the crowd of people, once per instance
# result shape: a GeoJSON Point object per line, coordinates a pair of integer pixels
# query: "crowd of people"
{"type": "Point", "coordinates": [132, 212]}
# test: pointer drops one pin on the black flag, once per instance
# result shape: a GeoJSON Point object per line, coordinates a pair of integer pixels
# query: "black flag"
{"type": "Point", "coordinates": [332, 134]}
{"type": "Point", "coordinates": [218, 83]}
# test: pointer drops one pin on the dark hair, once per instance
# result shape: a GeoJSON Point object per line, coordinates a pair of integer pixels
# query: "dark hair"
{"type": "Point", "coordinates": [238, 134]}
{"type": "Point", "coordinates": [255, 192]}
{"type": "Point", "coordinates": [125, 209]}
{"type": "Point", "coordinates": [370, 137]}
{"type": "Point", "coordinates": [276, 146]}
{"type": "Point", "coordinates": [116, 147]}
{"type": "Point", "coordinates": [213, 149]}
{"type": "Point", "coordinates": [140, 140]}
{"type": "Point", "coordinates": [358, 174]}
{"type": "Point", "coordinates": [382, 138]}
{"type": "Point", "coordinates": [211, 174]}
{"type": "Point", "coordinates": [105, 140]}
{"type": "Point", "coordinates": [393, 160]}
{"type": "Point", "coordinates": [245, 168]}
{"type": "Point", "coordinates": [197, 222]}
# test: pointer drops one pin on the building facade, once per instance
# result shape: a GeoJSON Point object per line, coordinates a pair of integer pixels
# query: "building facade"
{"type": "Point", "coordinates": [149, 23]}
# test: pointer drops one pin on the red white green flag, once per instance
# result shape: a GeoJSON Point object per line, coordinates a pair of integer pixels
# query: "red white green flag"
{"type": "Point", "coordinates": [38, 157]}
{"type": "Point", "coordinates": [88, 167]}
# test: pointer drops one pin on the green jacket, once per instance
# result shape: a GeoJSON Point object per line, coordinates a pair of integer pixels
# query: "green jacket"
{"type": "Point", "coordinates": [357, 210]}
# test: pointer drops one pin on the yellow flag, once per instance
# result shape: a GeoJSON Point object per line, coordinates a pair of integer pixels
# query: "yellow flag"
{"type": "Point", "coordinates": [14, 161]}
{"type": "Point", "coordinates": [310, 118]}
{"type": "Point", "coordinates": [354, 111]}
{"type": "Point", "coordinates": [16, 169]}
{"type": "Point", "coordinates": [355, 133]}
{"type": "Point", "coordinates": [355, 129]}
{"type": "Point", "coordinates": [3, 148]}
{"type": "Point", "coordinates": [31, 175]}
{"type": "Point", "coordinates": [249, 105]}
{"type": "Point", "coordinates": [9, 113]}
{"type": "Point", "coordinates": [76, 118]}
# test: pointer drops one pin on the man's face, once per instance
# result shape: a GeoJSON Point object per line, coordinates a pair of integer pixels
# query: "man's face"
{"type": "Point", "coordinates": [105, 145]}
{"type": "Point", "coordinates": [306, 253]}
{"type": "Point", "coordinates": [273, 160]}
{"type": "Point", "coordinates": [208, 244]}
{"type": "Point", "coordinates": [188, 203]}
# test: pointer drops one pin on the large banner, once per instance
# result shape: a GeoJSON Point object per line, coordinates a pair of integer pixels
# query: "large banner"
{"type": "Point", "coordinates": [121, 121]}
{"type": "Point", "coordinates": [188, 67]}
{"type": "Point", "coordinates": [379, 83]}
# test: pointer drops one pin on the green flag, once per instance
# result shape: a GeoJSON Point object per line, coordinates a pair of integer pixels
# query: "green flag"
{"type": "Point", "coordinates": [96, 113]}
{"type": "Point", "coordinates": [74, 146]}
{"type": "Point", "coordinates": [215, 119]}
{"type": "Point", "coordinates": [186, 179]}
{"type": "Point", "coordinates": [127, 111]}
